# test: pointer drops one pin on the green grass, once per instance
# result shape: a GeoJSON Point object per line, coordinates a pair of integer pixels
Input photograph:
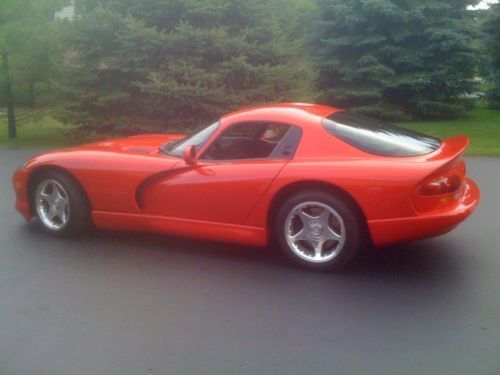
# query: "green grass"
{"type": "Point", "coordinates": [40, 131]}
{"type": "Point", "coordinates": [482, 125]}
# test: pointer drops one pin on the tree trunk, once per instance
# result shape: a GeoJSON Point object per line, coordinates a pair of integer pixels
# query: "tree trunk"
{"type": "Point", "coordinates": [11, 118]}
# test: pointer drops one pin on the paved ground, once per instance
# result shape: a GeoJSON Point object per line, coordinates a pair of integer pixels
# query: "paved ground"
{"type": "Point", "coordinates": [138, 304]}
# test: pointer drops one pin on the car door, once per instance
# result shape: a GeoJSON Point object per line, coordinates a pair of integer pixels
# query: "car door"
{"type": "Point", "coordinates": [229, 177]}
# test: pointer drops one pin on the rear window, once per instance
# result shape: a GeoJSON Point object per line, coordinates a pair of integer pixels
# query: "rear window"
{"type": "Point", "coordinates": [378, 137]}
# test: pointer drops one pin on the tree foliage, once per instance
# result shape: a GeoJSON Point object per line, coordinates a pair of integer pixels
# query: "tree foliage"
{"type": "Point", "coordinates": [27, 35]}
{"type": "Point", "coordinates": [130, 65]}
{"type": "Point", "coordinates": [395, 58]}
{"type": "Point", "coordinates": [491, 29]}
{"type": "Point", "coordinates": [25, 48]}
{"type": "Point", "coordinates": [160, 64]}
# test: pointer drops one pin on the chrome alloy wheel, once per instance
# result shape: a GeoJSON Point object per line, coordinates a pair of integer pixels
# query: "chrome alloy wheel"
{"type": "Point", "coordinates": [315, 232]}
{"type": "Point", "coordinates": [52, 204]}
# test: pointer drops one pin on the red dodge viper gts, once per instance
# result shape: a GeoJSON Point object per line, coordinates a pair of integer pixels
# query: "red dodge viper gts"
{"type": "Point", "coordinates": [317, 181]}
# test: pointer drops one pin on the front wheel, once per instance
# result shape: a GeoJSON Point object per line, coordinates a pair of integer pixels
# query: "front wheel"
{"type": "Point", "coordinates": [318, 230]}
{"type": "Point", "coordinates": [60, 204]}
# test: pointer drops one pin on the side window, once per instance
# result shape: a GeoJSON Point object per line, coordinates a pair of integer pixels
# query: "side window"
{"type": "Point", "coordinates": [241, 130]}
{"type": "Point", "coordinates": [252, 140]}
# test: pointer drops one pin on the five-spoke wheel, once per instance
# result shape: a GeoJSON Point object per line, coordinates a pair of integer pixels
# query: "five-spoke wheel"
{"type": "Point", "coordinates": [60, 203]}
{"type": "Point", "coordinates": [315, 231]}
{"type": "Point", "coordinates": [318, 229]}
{"type": "Point", "coordinates": [52, 204]}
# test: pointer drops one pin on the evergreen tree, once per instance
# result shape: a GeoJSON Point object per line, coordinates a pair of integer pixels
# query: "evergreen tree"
{"type": "Point", "coordinates": [178, 64]}
{"type": "Point", "coordinates": [491, 29]}
{"type": "Point", "coordinates": [395, 58]}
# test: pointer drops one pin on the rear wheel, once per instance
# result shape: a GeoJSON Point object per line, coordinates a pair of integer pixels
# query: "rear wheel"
{"type": "Point", "coordinates": [60, 204]}
{"type": "Point", "coordinates": [318, 230]}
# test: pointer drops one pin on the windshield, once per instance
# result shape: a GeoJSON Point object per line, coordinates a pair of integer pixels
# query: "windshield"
{"type": "Point", "coordinates": [377, 137]}
{"type": "Point", "coordinates": [198, 140]}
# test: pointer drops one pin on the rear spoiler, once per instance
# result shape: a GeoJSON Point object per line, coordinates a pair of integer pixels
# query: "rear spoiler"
{"type": "Point", "coordinates": [450, 148]}
{"type": "Point", "coordinates": [447, 156]}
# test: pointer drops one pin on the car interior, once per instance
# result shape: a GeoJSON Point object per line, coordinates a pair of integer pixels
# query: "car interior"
{"type": "Point", "coordinates": [246, 141]}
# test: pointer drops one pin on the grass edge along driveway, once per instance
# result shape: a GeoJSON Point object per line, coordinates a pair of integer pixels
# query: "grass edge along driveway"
{"type": "Point", "coordinates": [482, 125]}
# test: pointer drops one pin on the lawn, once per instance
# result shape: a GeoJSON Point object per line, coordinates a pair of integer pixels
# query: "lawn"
{"type": "Point", "coordinates": [482, 125]}
{"type": "Point", "coordinates": [34, 131]}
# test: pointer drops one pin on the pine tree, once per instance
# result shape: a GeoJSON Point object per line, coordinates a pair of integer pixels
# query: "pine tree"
{"type": "Point", "coordinates": [395, 58]}
{"type": "Point", "coordinates": [491, 29]}
{"type": "Point", "coordinates": [175, 64]}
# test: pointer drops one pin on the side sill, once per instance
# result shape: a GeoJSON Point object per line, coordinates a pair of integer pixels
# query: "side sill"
{"type": "Point", "coordinates": [208, 230]}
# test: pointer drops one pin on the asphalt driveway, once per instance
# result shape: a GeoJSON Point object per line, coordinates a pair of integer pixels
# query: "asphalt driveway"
{"type": "Point", "coordinates": [118, 303]}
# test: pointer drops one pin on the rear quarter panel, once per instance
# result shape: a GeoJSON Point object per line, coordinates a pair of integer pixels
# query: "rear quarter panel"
{"type": "Point", "coordinates": [382, 188]}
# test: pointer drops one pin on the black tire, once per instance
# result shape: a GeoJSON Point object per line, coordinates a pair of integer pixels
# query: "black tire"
{"type": "Point", "coordinates": [352, 225]}
{"type": "Point", "coordinates": [79, 217]}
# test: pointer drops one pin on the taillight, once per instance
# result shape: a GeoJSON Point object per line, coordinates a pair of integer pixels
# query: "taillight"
{"type": "Point", "coordinates": [441, 189]}
{"type": "Point", "coordinates": [441, 185]}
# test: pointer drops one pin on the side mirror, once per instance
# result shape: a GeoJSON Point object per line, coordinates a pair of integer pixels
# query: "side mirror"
{"type": "Point", "coordinates": [189, 154]}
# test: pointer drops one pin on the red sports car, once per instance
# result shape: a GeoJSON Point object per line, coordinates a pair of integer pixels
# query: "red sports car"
{"type": "Point", "coordinates": [319, 182]}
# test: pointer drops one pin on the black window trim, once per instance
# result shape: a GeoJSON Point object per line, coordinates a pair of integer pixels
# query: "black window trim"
{"type": "Point", "coordinates": [294, 134]}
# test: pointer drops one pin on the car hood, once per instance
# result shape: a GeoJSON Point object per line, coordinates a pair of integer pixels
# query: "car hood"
{"type": "Point", "coordinates": [142, 144]}
{"type": "Point", "coordinates": [139, 148]}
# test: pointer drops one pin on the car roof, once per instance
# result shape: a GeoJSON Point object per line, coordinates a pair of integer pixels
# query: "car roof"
{"type": "Point", "coordinates": [281, 111]}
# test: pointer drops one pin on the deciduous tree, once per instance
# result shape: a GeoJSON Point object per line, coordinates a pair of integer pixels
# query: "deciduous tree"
{"type": "Point", "coordinates": [22, 22]}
